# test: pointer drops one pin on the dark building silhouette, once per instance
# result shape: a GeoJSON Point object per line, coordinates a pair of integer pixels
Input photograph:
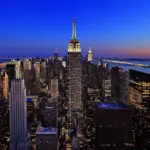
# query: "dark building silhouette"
{"type": "Point", "coordinates": [10, 69]}
{"type": "Point", "coordinates": [116, 74]}
{"type": "Point", "coordinates": [46, 138]}
{"type": "Point", "coordinates": [49, 115]}
{"type": "Point", "coordinates": [113, 126]}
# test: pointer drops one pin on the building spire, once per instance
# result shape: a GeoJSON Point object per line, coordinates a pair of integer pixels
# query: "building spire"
{"type": "Point", "coordinates": [56, 51]}
{"type": "Point", "coordinates": [74, 29]}
{"type": "Point", "coordinates": [89, 48]}
{"type": "Point", "coordinates": [89, 51]}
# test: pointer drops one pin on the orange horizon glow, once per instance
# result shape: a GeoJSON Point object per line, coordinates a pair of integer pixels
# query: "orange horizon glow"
{"type": "Point", "coordinates": [127, 53]}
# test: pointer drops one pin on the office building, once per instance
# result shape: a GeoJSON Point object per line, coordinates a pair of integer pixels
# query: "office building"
{"type": "Point", "coordinates": [113, 126]}
{"type": "Point", "coordinates": [139, 87]}
{"type": "Point", "coordinates": [54, 87]}
{"type": "Point", "coordinates": [103, 74]}
{"type": "Point", "coordinates": [37, 69]}
{"type": "Point", "coordinates": [64, 64]}
{"type": "Point", "coordinates": [27, 64]}
{"type": "Point", "coordinates": [13, 69]}
{"type": "Point", "coordinates": [43, 70]}
{"type": "Point", "coordinates": [18, 116]}
{"type": "Point", "coordinates": [107, 87]}
{"type": "Point", "coordinates": [49, 115]}
{"type": "Point", "coordinates": [140, 102]}
{"type": "Point", "coordinates": [124, 88]}
{"type": "Point", "coordinates": [34, 99]}
{"type": "Point", "coordinates": [4, 124]}
{"type": "Point", "coordinates": [18, 69]}
{"type": "Point", "coordinates": [27, 73]}
{"type": "Point", "coordinates": [4, 85]}
{"type": "Point", "coordinates": [61, 75]}
{"type": "Point", "coordinates": [116, 74]}
{"type": "Point", "coordinates": [46, 138]}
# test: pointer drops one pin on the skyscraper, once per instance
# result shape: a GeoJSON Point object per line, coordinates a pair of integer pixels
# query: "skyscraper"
{"type": "Point", "coordinates": [54, 88]}
{"type": "Point", "coordinates": [10, 69]}
{"type": "Point", "coordinates": [13, 69]}
{"type": "Point", "coordinates": [18, 115]}
{"type": "Point", "coordinates": [113, 126]}
{"type": "Point", "coordinates": [56, 55]}
{"type": "Point", "coordinates": [116, 75]}
{"type": "Point", "coordinates": [140, 101]}
{"type": "Point", "coordinates": [74, 60]}
{"type": "Point", "coordinates": [89, 54]}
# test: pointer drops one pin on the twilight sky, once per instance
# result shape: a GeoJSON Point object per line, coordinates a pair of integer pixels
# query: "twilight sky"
{"type": "Point", "coordinates": [112, 27]}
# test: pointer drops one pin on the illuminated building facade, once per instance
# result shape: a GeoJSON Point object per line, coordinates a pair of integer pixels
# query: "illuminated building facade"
{"type": "Point", "coordinates": [18, 115]}
{"type": "Point", "coordinates": [107, 87]}
{"type": "Point", "coordinates": [37, 70]}
{"type": "Point", "coordinates": [90, 54]}
{"type": "Point", "coordinates": [4, 85]}
{"type": "Point", "coordinates": [74, 66]}
{"type": "Point", "coordinates": [54, 87]}
{"type": "Point", "coordinates": [139, 87]}
{"type": "Point", "coordinates": [27, 64]}
{"type": "Point", "coordinates": [140, 101]}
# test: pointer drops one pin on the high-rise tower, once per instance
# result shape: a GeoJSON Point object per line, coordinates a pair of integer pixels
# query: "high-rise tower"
{"type": "Point", "coordinates": [90, 54]}
{"type": "Point", "coordinates": [18, 115]}
{"type": "Point", "coordinates": [75, 88]}
{"type": "Point", "coordinates": [13, 69]}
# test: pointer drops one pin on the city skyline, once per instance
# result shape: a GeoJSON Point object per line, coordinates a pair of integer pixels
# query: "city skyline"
{"type": "Point", "coordinates": [112, 29]}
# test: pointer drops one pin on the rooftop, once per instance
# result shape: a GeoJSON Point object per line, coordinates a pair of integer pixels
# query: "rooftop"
{"type": "Point", "coordinates": [49, 130]}
{"type": "Point", "coordinates": [29, 99]}
{"type": "Point", "coordinates": [107, 105]}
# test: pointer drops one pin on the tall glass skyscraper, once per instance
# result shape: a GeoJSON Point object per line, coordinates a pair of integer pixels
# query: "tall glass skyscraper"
{"type": "Point", "coordinates": [18, 115]}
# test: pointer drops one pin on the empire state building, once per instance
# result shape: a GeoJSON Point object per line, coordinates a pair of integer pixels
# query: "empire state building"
{"type": "Point", "coordinates": [75, 87]}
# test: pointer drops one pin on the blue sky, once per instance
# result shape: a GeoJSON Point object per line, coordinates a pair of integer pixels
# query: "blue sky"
{"type": "Point", "coordinates": [111, 27]}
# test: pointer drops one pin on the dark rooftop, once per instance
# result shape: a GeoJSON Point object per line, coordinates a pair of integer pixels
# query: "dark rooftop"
{"type": "Point", "coordinates": [139, 76]}
{"type": "Point", "coordinates": [29, 99]}
{"type": "Point", "coordinates": [107, 105]}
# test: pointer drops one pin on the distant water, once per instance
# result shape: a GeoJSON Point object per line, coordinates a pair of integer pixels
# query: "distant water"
{"type": "Point", "coordinates": [127, 67]}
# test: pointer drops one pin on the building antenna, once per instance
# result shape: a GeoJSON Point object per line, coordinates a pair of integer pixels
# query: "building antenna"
{"type": "Point", "coordinates": [74, 29]}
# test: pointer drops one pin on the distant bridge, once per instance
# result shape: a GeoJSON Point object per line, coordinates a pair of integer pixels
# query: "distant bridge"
{"type": "Point", "coordinates": [126, 63]}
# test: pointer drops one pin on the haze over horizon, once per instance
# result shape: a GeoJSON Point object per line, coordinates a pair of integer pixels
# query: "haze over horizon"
{"type": "Point", "coordinates": [118, 28]}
